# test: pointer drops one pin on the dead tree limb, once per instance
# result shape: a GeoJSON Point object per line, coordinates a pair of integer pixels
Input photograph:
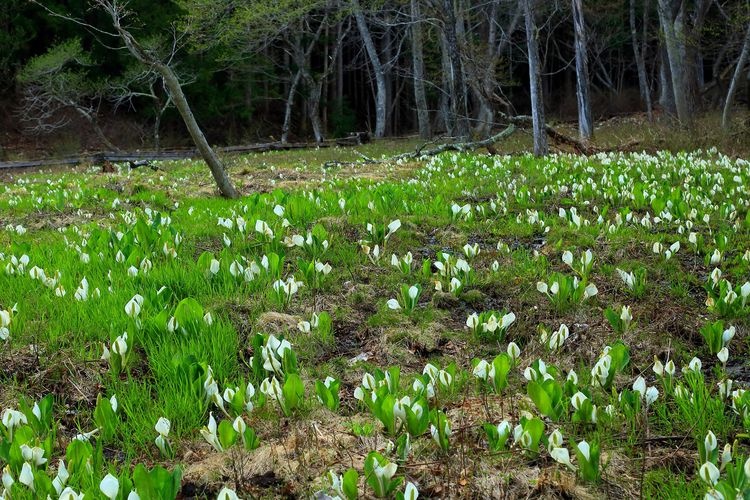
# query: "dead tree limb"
{"type": "Point", "coordinates": [526, 121]}
{"type": "Point", "coordinates": [458, 146]}
{"type": "Point", "coordinates": [420, 152]}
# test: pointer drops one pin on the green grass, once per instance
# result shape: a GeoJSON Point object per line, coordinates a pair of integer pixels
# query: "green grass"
{"type": "Point", "coordinates": [515, 204]}
{"type": "Point", "coordinates": [661, 483]}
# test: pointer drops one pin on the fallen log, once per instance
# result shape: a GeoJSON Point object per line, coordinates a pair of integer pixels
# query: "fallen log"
{"type": "Point", "coordinates": [522, 121]}
{"type": "Point", "coordinates": [142, 163]}
{"type": "Point", "coordinates": [557, 136]}
{"type": "Point", "coordinates": [139, 157]}
{"type": "Point", "coordinates": [354, 139]}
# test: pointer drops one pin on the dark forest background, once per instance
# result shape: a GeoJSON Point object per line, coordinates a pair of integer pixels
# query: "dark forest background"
{"type": "Point", "coordinates": [306, 71]}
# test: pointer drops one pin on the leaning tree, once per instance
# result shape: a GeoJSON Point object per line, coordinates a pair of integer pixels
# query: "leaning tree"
{"type": "Point", "coordinates": [156, 60]}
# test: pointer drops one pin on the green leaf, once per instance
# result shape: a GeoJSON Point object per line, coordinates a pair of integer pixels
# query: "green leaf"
{"type": "Point", "coordinates": [188, 312]}
{"type": "Point", "coordinates": [620, 356]}
{"type": "Point", "coordinates": [77, 456]}
{"type": "Point", "coordinates": [329, 396]}
{"type": "Point", "coordinates": [105, 418]}
{"type": "Point", "coordinates": [417, 424]}
{"type": "Point", "coordinates": [613, 318]}
{"type": "Point", "coordinates": [584, 413]}
{"type": "Point", "coordinates": [250, 439]}
{"type": "Point", "coordinates": [440, 421]}
{"type": "Point", "coordinates": [293, 390]}
{"type": "Point", "coordinates": [535, 427]}
{"type": "Point", "coordinates": [43, 485]}
{"type": "Point", "coordinates": [658, 205]}
{"type": "Point", "coordinates": [394, 377]}
{"type": "Point", "coordinates": [227, 434]}
{"type": "Point", "coordinates": [143, 482]}
{"type": "Point", "coordinates": [324, 395]}
{"type": "Point", "coordinates": [383, 410]}
{"type": "Point", "coordinates": [381, 488]}
{"type": "Point", "coordinates": [541, 399]}
{"type": "Point", "coordinates": [289, 362]}
{"type": "Point", "coordinates": [502, 364]}
{"type": "Point", "coordinates": [204, 261]}
{"type": "Point", "coordinates": [713, 334]}
{"type": "Point", "coordinates": [589, 469]}
{"type": "Point", "coordinates": [349, 484]}
{"type": "Point", "coordinates": [325, 325]}
{"type": "Point", "coordinates": [495, 440]}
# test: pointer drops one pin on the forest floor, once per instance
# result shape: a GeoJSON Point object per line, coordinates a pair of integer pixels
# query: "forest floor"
{"type": "Point", "coordinates": [481, 314]}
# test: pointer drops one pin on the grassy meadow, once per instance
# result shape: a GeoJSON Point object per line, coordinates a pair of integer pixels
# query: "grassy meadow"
{"type": "Point", "coordinates": [463, 326]}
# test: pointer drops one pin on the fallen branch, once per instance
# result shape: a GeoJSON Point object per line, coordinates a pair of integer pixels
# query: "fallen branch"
{"type": "Point", "coordinates": [419, 153]}
{"type": "Point", "coordinates": [578, 146]}
{"type": "Point", "coordinates": [457, 146]}
{"type": "Point", "coordinates": [554, 134]}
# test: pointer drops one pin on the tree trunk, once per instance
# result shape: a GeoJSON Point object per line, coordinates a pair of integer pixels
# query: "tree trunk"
{"type": "Point", "coordinates": [100, 134]}
{"type": "Point", "coordinates": [585, 123]}
{"type": "Point", "coordinates": [420, 97]}
{"type": "Point", "coordinates": [456, 76]}
{"type": "Point", "coordinates": [735, 80]}
{"type": "Point", "coordinates": [159, 109]}
{"type": "Point", "coordinates": [449, 119]}
{"type": "Point", "coordinates": [460, 8]}
{"type": "Point", "coordinates": [482, 72]}
{"type": "Point", "coordinates": [315, 91]}
{"type": "Point", "coordinates": [377, 67]}
{"type": "Point", "coordinates": [157, 137]}
{"type": "Point", "coordinates": [640, 58]}
{"type": "Point", "coordinates": [339, 72]}
{"type": "Point", "coordinates": [207, 153]}
{"type": "Point", "coordinates": [172, 84]}
{"type": "Point", "coordinates": [315, 87]}
{"type": "Point", "coordinates": [387, 51]}
{"type": "Point", "coordinates": [673, 27]}
{"type": "Point", "coordinates": [535, 82]}
{"type": "Point", "coordinates": [485, 117]}
{"type": "Point", "coordinates": [666, 94]}
{"type": "Point", "coordinates": [288, 107]}
{"type": "Point", "coordinates": [690, 45]}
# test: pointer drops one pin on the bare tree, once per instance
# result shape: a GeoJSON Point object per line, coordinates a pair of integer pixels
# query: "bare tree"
{"type": "Point", "coordinates": [381, 104]}
{"type": "Point", "coordinates": [535, 81]}
{"type": "Point", "coordinates": [482, 54]}
{"type": "Point", "coordinates": [287, 125]}
{"type": "Point", "coordinates": [455, 74]}
{"type": "Point", "coordinates": [417, 49]}
{"type": "Point", "coordinates": [140, 82]}
{"type": "Point", "coordinates": [672, 19]}
{"type": "Point", "coordinates": [161, 104]}
{"type": "Point", "coordinates": [54, 83]}
{"type": "Point", "coordinates": [666, 90]}
{"type": "Point", "coordinates": [301, 56]}
{"type": "Point", "coordinates": [117, 13]}
{"type": "Point", "coordinates": [315, 82]}
{"type": "Point", "coordinates": [585, 123]}
{"type": "Point", "coordinates": [744, 54]}
{"type": "Point", "coordinates": [639, 49]}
